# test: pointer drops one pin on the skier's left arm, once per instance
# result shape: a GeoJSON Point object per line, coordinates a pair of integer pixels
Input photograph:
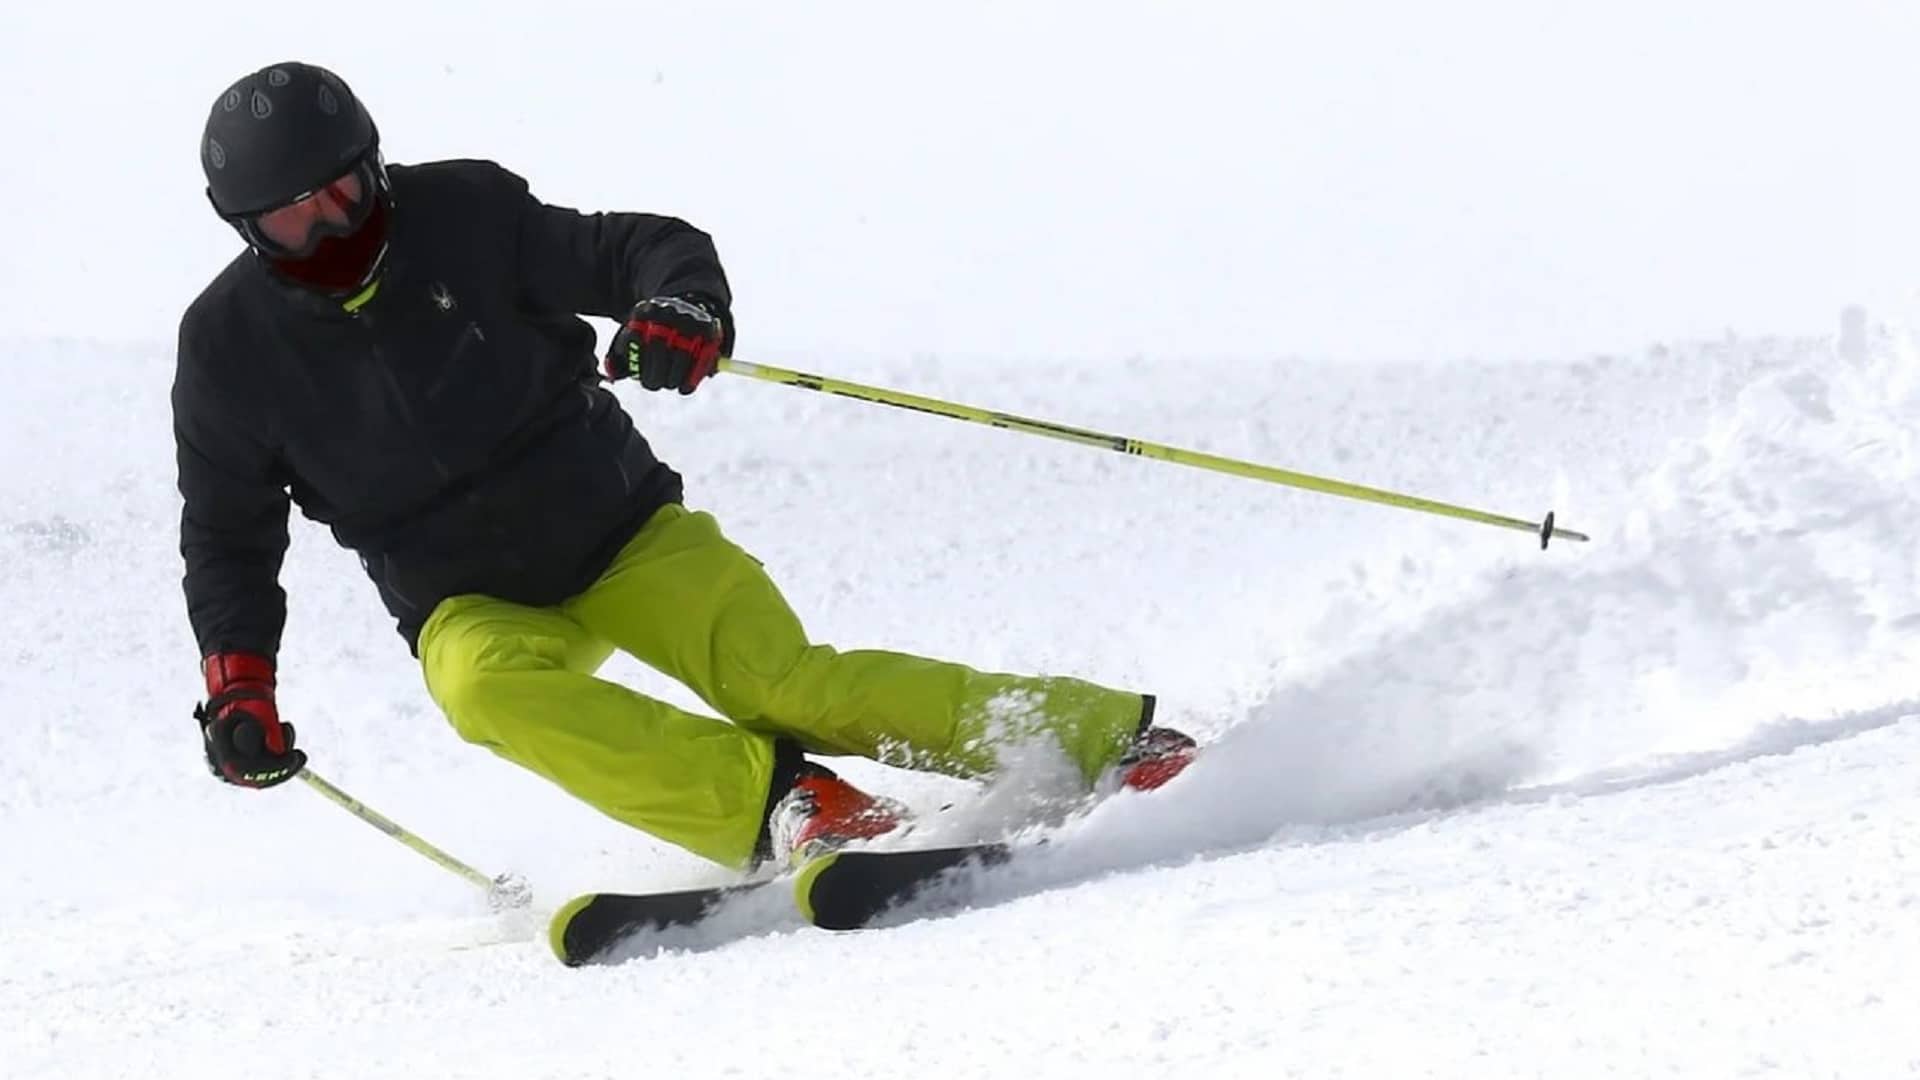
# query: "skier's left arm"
{"type": "Point", "coordinates": [658, 275]}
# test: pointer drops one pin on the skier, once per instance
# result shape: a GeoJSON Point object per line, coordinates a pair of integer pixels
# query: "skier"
{"type": "Point", "coordinates": [400, 352]}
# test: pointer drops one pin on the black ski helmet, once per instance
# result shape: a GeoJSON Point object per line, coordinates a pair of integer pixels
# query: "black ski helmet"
{"type": "Point", "coordinates": [278, 134]}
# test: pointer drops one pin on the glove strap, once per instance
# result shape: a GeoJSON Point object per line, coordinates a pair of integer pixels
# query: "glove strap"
{"type": "Point", "coordinates": [238, 671]}
{"type": "Point", "coordinates": [704, 350]}
{"type": "Point", "coordinates": [235, 678]}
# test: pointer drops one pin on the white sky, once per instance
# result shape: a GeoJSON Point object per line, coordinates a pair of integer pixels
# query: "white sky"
{"type": "Point", "coordinates": [1347, 179]}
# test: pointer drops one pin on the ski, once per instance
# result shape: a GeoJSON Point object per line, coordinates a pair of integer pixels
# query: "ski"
{"type": "Point", "coordinates": [840, 890]}
{"type": "Point", "coordinates": [847, 890]}
{"type": "Point", "coordinates": [587, 929]}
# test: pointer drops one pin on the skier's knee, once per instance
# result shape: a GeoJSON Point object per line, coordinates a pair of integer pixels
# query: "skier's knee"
{"type": "Point", "coordinates": [469, 683]}
{"type": "Point", "coordinates": [757, 685]}
{"type": "Point", "coordinates": [462, 696]}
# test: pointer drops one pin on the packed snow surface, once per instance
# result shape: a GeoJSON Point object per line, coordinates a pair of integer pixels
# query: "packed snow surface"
{"type": "Point", "coordinates": [1644, 806]}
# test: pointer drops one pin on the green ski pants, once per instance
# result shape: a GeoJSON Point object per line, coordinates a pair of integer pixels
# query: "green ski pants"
{"type": "Point", "coordinates": [686, 601]}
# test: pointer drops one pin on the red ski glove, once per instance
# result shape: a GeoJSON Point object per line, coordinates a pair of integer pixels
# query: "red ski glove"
{"type": "Point", "coordinates": [245, 741]}
{"type": "Point", "coordinates": [670, 342]}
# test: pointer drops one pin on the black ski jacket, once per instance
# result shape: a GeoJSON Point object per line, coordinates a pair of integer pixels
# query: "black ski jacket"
{"type": "Point", "coordinates": [453, 431]}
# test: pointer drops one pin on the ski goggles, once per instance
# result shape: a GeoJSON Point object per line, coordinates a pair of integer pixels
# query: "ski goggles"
{"type": "Point", "coordinates": [294, 229]}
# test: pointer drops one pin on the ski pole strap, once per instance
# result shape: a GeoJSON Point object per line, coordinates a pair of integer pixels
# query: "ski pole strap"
{"type": "Point", "coordinates": [1545, 529]}
{"type": "Point", "coordinates": [386, 825]}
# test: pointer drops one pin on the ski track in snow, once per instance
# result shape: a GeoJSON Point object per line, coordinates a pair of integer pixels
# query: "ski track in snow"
{"type": "Point", "coordinates": [1644, 806]}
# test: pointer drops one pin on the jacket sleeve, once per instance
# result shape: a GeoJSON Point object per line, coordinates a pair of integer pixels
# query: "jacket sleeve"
{"type": "Point", "coordinates": [233, 526]}
{"type": "Point", "coordinates": [601, 264]}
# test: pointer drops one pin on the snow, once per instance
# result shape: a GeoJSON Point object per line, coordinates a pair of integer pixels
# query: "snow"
{"type": "Point", "coordinates": [1646, 806]}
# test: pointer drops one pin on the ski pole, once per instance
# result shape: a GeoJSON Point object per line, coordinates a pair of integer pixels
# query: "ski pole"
{"type": "Point", "coordinates": [1545, 529]}
{"type": "Point", "coordinates": [505, 891]}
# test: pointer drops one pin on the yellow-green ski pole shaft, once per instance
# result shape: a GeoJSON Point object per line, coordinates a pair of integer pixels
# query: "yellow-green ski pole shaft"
{"type": "Point", "coordinates": [1546, 530]}
{"type": "Point", "coordinates": [503, 890]}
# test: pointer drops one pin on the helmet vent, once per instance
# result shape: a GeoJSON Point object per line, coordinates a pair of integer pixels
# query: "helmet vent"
{"type": "Point", "coordinates": [279, 133]}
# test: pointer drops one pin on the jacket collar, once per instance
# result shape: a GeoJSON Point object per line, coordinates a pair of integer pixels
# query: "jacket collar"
{"type": "Point", "coordinates": [306, 302]}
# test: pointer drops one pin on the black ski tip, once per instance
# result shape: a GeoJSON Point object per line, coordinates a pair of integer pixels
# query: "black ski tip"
{"type": "Point", "coordinates": [847, 890]}
{"type": "Point", "coordinates": [1546, 530]}
{"type": "Point", "coordinates": [588, 929]}
{"type": "Point", "coordinates": [576, 932]}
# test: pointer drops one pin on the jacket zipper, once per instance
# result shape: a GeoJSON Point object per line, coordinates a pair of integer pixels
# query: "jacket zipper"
{"type": "Point", "coordinates": [407, 414]}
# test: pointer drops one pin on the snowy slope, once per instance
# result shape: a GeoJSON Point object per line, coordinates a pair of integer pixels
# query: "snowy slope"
{"type": "Point", "coordinates": [1642, 807]}
{"type": "Point", "coordinates": [1646, 806]}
